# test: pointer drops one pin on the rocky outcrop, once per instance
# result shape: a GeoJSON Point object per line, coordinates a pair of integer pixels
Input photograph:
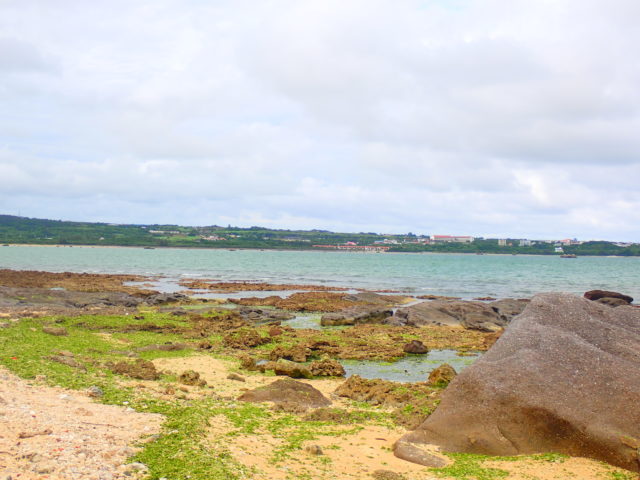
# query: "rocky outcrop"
{"type": "Point", "coordinates": [611, 299]}
{"type": "Point", "coordinates": [327, 367]}
{"type": "Point", "coordinates": [244, 338]}
{"type": "Point", "coordinates": [564, 377]}
{"type": "Point", "coordinates": [296, 353]}
{"type": "Point", "coordinates": [287, 391]}
{"type": "Point", "coordinates": [509, 308]}
{"type": "Point", "coordinates": [355, 316]}
{"type": "Point", "coordinates": [455, 313]}
{"type": "Point", "coordinates": [259, 315]}
{"type": "Point", "coordinates": [164, 298]}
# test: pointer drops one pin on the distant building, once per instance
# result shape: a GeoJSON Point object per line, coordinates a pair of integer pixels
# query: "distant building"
{"type": "Point", "coordinates": [451, 239]}
{"type": "Point", "coordinates": [165, 232]}
{"type": "Point", "coordinates": [559, 250]}
{"type": "Point", "coordinates": [502, 242]}
{"type": "Point", "coordinates": [525, 243]}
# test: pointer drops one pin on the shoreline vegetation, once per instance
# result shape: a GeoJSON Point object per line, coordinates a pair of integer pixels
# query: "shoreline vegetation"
{"type": "Point", "coordinates": [26, 231]}
{"type": "Point", "coordinates": [242, 392]}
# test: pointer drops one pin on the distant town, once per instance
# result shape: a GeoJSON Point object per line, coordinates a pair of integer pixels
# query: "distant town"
{"type": "Point", "coordinates": [20, 230]}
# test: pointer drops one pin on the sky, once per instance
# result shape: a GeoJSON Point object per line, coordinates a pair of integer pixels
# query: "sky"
{"type": "Point", "coordinates": [495, 118]}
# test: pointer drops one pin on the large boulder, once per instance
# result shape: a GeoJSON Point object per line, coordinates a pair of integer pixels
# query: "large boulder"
{"type": "Point", "coordinates": [564, 377]}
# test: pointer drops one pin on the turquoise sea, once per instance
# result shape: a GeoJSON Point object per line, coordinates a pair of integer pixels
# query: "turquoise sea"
{"type": "Point", "coordinates": [466, 276]}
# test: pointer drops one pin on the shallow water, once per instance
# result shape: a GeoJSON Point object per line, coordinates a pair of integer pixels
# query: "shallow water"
{"type": "Point", "coordinates": [412, 368]}
{"type": "Point", "coordinates": [465, 276]}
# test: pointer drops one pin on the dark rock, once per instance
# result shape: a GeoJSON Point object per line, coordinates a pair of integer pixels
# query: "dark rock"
{"type": "Point", "coordinates": [57, 331]}
{"type": "Point", "coordinates": [442, 375]}
{"type": "Point", "coordinates": [163, 298]}
{"type": "Point", "coordinates": [564, 377]}
{"type": "Point", "coordinates": [260, 315]}
{"type": "Point", "coordinates": [287, 391]}
{"type": "Point", "coordinates": [597, 294]}
{"type": "Point", "coordinates": [275, 331]}
{"type": "Point", "coordinates": [327, 367]}
{"type": "Point", "coordinates": [140, 369]}
{"type": "Point", "coordinates": [415, 346]}
{"type": "Point", "coordinates": [355, 316]}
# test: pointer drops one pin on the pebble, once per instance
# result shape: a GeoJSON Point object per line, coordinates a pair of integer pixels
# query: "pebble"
{"type": "Point", "coordinates": [95, 391]}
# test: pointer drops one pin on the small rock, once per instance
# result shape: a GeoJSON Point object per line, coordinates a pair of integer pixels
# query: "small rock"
{"type": "Point", "coordinates": [57, 331]}
{"type": "Point", "coordinates": [235, 376]}
{"type": "Point", "coordinates": [191, 377]}
{"type": "Point", "coordinates": [95, 391]}
{"type": "Point", "coordinates": [442, 375]}
{"type": "Point", "coordinates": [415, 346]}
{"type": "Point", "coordinates": [387, 475]}
{"type": "Point", "coordinates": [314, 450]}
{"type": "Point", "coordinates": [134, 468]}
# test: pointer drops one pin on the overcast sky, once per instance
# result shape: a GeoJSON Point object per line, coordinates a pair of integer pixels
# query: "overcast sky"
{"type": "Point", "coordinates": [491, 117]}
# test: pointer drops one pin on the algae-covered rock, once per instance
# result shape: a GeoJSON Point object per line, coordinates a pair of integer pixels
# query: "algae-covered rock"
{"type": "Point", "coordinates": [287, 390]}
{"type": "Point", "coordinates": [442, 375]}
{"type": "Point", "coordinates": [191, 377]}
{"type": "Point", "coordinates": [140, 369]}
{"type": "Point", "coordinates": [327, 367]}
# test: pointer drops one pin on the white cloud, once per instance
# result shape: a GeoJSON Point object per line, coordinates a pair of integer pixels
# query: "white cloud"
{"type": "Point", "coordinates": [514, 118]}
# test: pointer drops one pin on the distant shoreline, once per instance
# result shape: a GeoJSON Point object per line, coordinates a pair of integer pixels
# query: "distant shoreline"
{"type": "Point", "coordinates": [146, 247]}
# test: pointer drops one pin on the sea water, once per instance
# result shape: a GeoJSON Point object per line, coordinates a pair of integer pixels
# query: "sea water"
{"type": "Point", "coordinates": [461, 275]}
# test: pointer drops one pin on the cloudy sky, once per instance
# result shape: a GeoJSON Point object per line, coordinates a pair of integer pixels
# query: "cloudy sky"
{"type": "Point", "coordinates": [484, 117]}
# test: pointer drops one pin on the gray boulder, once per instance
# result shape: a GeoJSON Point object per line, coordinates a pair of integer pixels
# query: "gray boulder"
{"type": "Point", "coordinates": [456, 313]}
{"type": "Point", "coordinates": [564, 377]}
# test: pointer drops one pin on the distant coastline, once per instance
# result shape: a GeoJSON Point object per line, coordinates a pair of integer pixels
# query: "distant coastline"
{"type": "Point", "coordinates": [31, 232]}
